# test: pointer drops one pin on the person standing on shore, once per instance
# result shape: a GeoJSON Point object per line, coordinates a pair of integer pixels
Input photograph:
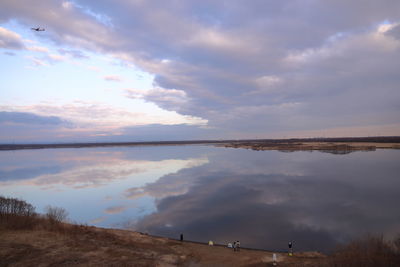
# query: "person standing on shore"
{"type": "Point", "coordinates": [234, 245]}
{"type": "Point", "coordinates": [237, 245]}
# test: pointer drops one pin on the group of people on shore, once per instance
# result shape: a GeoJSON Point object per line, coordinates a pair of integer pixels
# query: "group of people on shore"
{"type": "Point", "coordinates": [235, 245]}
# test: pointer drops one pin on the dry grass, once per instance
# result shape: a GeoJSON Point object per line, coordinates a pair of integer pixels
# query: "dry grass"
{"type": "Point", "coordinates": [45, 243]}
{"type": "Point", "coordinates": [370, 251]}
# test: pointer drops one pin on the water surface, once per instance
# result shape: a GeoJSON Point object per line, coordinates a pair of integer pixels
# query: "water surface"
{"type": "Point", "coordinates": [262, 198]}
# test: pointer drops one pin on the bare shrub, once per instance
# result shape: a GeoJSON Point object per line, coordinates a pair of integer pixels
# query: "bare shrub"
{"type": "Point", "coordinates": [396, 243]}
{"type": "Point", "coordinates": [370, 251]}
{"type": "Point", "coordinates": [56, 214]}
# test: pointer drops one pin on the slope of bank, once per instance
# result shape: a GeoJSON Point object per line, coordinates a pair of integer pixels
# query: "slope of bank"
{"type": "Point", "coordinates": [89, 246]}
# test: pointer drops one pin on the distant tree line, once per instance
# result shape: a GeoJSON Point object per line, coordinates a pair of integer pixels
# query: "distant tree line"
{"type": "Point", "coordinates": [15, 206]}
{"type": "Point", "coordinates": [18, 214]}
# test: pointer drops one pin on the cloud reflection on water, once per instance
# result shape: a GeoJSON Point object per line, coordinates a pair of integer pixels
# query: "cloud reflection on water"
{"type": "Point", "coordinates": [90, 183]}
{"type": "Point", "coordinates": [85, 170]}
{"type": "Point", "coordinates": [333, 199]}
{"type": "Point", "coordinates": [262, 198]}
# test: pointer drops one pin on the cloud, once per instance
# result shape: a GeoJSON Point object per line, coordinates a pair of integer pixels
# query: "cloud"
{"type": "Point", "coordinates": [232, 63]}
{"type": "Point", "coordinates": [112, 78]}
{"type": "Point", "coordinates": [28, 126]}
{"type": "Point", "coordinates": [73, 53]}
{"type": "Point", "coordinates": [94, 68]}
{"type": "Point", "coordinates": [172, 99]}
{"type": "Point", "coordinates": [55, 57]}
{"type": "Point", "coordinates": [393, 30]}
{"type": "Point", "coordinates": [9, 53]}
{"type": "Point", "coordinates": [38, 49]}
{"type": "Point", "coordinates": [89, 121]}
{"type": "Point", "coordinates": [100, 115]}
{"type": "Point", "coordinates": [28, 118]}
{"type": "Point", "coordinates": [37, 62]}
{"type": "Point", "coordinates": [10, 40]}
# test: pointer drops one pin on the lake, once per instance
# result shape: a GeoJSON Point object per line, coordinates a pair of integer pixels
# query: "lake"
{"type": "Point", "coordinates": [262, 198]}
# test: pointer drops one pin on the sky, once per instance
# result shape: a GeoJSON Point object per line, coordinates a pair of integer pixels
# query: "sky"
{"type": "Point", "coordinates": [183, 70]}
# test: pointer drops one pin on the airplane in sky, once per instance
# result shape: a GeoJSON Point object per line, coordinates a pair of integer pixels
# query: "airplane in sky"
{"type": "Point", "coordinates": [38, 29]}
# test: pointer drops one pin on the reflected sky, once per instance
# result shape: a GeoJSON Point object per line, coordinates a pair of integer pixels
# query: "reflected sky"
{"type": "Point", "coordinates": [91, 182]}
{"type": "Point", "coordinates": [262, 198]}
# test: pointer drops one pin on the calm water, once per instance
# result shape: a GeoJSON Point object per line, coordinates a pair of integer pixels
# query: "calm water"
{"type": "Point", "coordinates": [262, 198]}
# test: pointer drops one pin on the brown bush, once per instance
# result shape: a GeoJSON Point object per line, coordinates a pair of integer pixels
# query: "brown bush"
{"type": "Point", "coordinates": [367, 252]}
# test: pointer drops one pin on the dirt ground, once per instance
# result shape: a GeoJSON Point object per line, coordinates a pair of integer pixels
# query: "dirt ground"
{"type": "Point", "coordinates": [90, 246]}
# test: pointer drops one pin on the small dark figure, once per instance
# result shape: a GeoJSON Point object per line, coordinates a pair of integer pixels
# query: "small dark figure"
{"type": "Point", "coordinates": [237, 245]}
{"type": "Point", "coordinates": [181, 237]}
{"type": "Point", "coordinates": [234, 246]}
{"type": "Point", "coordinates": [38, 29]}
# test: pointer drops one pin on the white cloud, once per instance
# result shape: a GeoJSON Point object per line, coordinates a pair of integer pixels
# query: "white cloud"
{"type": "Point", "coordinates": [10, 40]}
{"type": "Point", "coordinates": [67, 5]}
{"type": "Point", "coordinates": [37, 62]}
{"type": "Point", "coordinates": [94, 68]}
{"type": "Point", "coordinates": [56, 57]}
{"type": "Point", "coordinates": [112, 78]}
{"type": "Point", "coordinates": [38, 49]}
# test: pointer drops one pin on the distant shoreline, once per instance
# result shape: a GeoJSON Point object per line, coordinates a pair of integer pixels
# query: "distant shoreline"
{"type": "Point", "coordinates": [288, 145]}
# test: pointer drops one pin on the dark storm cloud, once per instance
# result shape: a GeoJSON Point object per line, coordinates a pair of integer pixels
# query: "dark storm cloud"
{"type": "Point", "coordinates": [247, 68]}
{"type": "Point", "coordinates": [264, 203]}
